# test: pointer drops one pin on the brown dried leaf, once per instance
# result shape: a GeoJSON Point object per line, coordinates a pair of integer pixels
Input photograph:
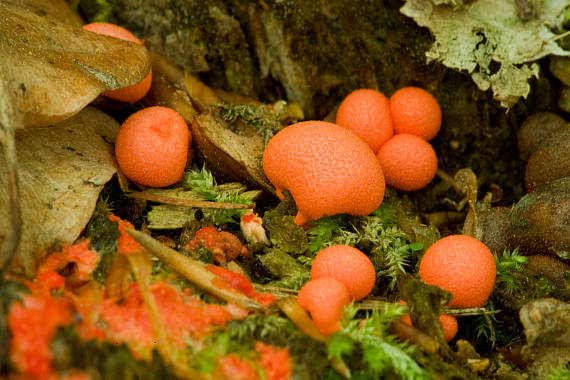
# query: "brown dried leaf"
{"type": "Point", "coordinates": [235, 156]}
{"type": "Point", "coordinates": [62, 169]}
{"type": "Point", "coordinates": [58, 9]}
{"type": "Point", "coordinates": [52, 70]}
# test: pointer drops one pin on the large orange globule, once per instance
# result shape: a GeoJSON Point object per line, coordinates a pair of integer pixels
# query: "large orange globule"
{"type": "Point", "coordinates": [463, 266]}
{"type": "Point", "coordinates": [327, 169]}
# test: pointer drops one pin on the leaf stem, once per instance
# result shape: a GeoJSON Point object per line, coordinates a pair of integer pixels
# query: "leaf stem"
{"type": "Point", "coordinates": [194, 271]}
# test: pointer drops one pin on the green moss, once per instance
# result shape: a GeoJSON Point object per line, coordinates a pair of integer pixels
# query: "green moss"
{"type": "Point", "coordinates": [98, 10]}
{"type": "Point", "coordinates": [104, 360]}
{"type": "Point", "coordinates": [10, 291]}
{"type": "Point", "coordinates": [285, 234]}
{"type": "Point", "coordinates": [289, 272]}
{"type": "Point", "coordinates": [103, 234]}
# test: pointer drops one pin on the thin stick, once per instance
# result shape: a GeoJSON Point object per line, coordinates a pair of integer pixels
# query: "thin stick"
{"type": "Point", "coordinates": [194, 271]}
{"type": "Point", "coordinates": [449, 179]}
{"type": "Point", "coordinates": [141, 266]}
{"type": "Point", "coordinates": [375, 304]}
{"type": "Point", "coordinates": [565, 34]}
{"type": "Point", "coordinates": [188, 202]}
{"type": "Point", "coordinates": [300, 318]}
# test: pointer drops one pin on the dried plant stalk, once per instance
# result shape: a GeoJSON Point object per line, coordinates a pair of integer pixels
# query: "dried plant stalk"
{"type": "Point", "coordinates": [300, 318]}
{"type": "Point", "coordinates": [194, 271]}
{"type": "Point", "coordinates": [141, 266]}
{"type": "Point", "coordinates": [189, 202]}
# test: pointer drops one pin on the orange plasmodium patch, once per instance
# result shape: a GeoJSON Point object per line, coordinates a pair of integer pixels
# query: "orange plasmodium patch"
{"type": "Point", "coordinates": [239, 282]}
{"type": "Point", "coordinates": [126, 244]}
{"type": "Point", "coordinates": [33, 324]}
{"type": "Point", "coordinates": [224, 245]}
{"type": "Point", "coordinates": [79, 253]}
{"type": "Point", "coordinates": [273, 361]}
{"type": "Point", "coordinates": [183, 316]}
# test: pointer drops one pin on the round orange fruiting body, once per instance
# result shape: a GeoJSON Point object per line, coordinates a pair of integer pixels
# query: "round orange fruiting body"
{"type": "Point", "coordinates": [463, 266]}
{"type": "Point", "coordinates": [152, 147]}
{"type": "Point", "coordinates": [324, 298]}
{"type": "Point", "coordinates": [349, 265]}
{"type": "Point", "coordinates": [327, 169]}
{"type": "Point", "coordinates": [448, 325]}
{"type": "Point", "coordinates": [409, 163]}
{"type": "Point", "coordinates": [129, 94]}
{"type": "Point", "coordinates": [367, 113]}
{"type": "Point", "coordinates": [415, 111]}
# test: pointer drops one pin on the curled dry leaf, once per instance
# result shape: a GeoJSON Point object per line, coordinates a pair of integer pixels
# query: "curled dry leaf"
{"type": "Point", "coordinates": [62, 169]}
{"type": "Point", "coordinates": [235, 155]}
{"type": "Point", "coordinates": [52, 69]}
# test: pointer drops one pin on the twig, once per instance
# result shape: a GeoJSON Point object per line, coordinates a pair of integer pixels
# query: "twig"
{"type": "Point", "coordinates": [447, 178]}
{"type": "Point", "coordinates": [375, 304]}
{"type": "Point", "coordinates": [300, 318]}
{"type": "Point", "coordinates": [188, 202]}
{"type": "Point", "coordinates": [560, 36]}
{"type": "Point", "coordinates": [141, 267]}
{"type": "Point", "coordinates": [414, 336]}
{"type": "Point", "coordinates": [194, 271]}
{"type": "Point", "coordinates": [276, 291]}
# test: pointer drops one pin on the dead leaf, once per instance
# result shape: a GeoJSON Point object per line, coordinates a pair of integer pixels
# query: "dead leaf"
{"type": "Point", "coordinates": [62, 169]}
{"type": "Point", "coordinates": [52, 70]}
{"type": "Point", "coordinates": [58, 9]}
{"type": "Point", "coordinates": [471, 37]}
{"type": "Point", "coordinates": [236, 156]}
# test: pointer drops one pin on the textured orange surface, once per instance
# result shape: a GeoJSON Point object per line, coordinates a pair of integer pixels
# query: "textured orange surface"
{"type": "Point", "coordinates": [409, 162]}
{"type": "Point", "coordinates": [448, 325]}
{"type": "Point", "coordinates": [463, 266]}
{"type": "Point", "coordinates": [324, 298]}
{"type": "Point", "coordinates": [152, 147]}
{"type": "Point", "coordinates": [130, 94]}
{"type": "Point", "coordinates": [415, 111]}
{"type": "Point", "coordinates": [348, 265]}
{"type": "Point", "coordinates": [367, 113]}
{"type": "Point", "coordinates": [327, 169]}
